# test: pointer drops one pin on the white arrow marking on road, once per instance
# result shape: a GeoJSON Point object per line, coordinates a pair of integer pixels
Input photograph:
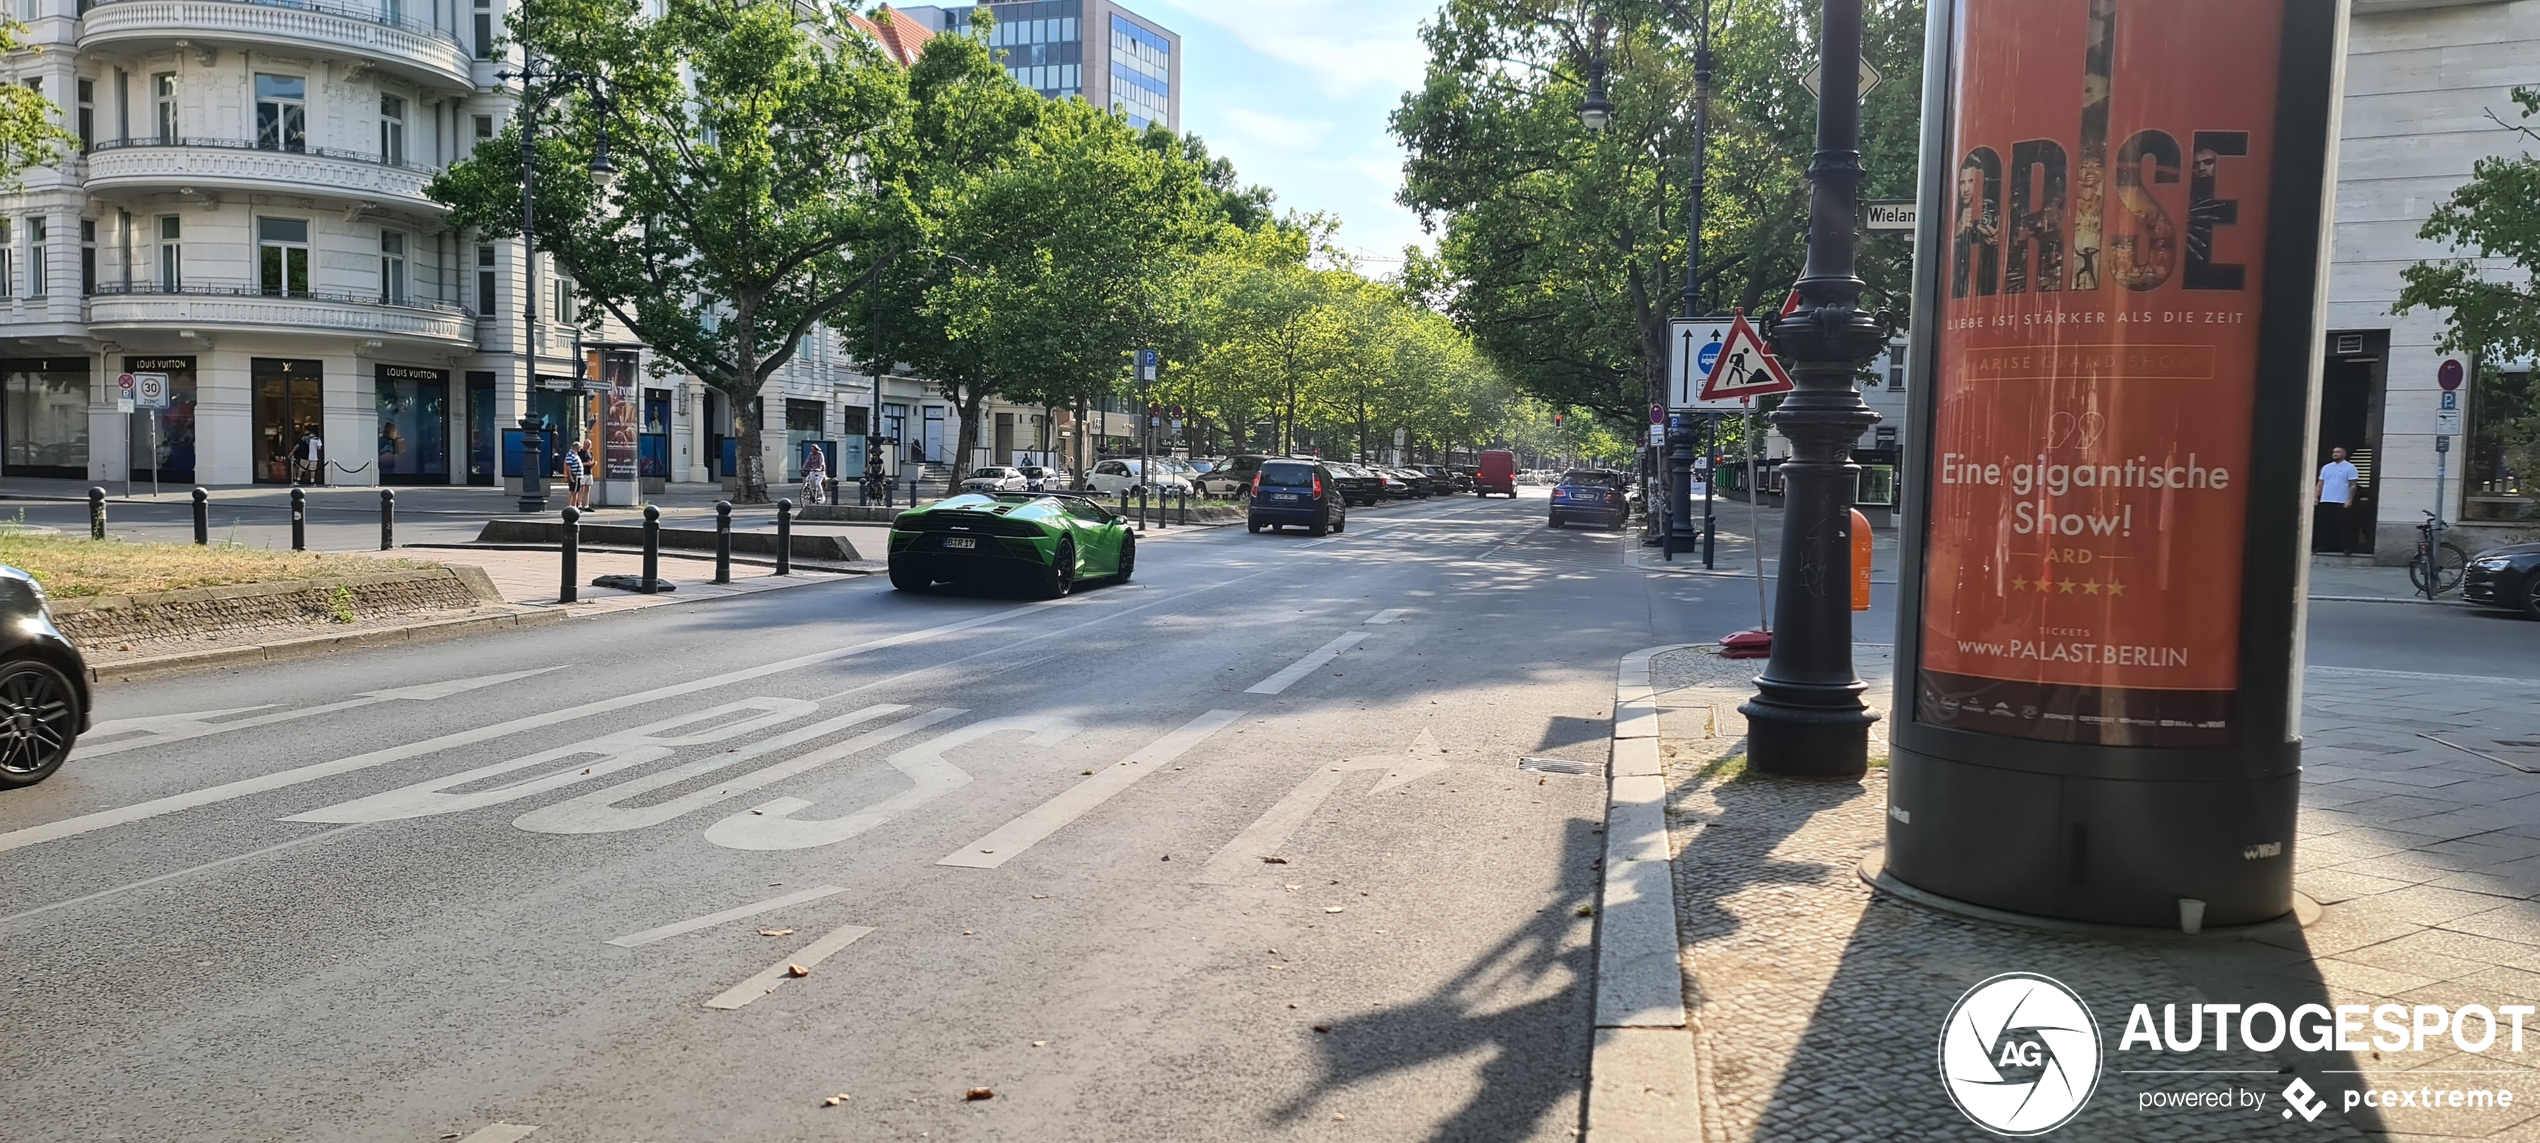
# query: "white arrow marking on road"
{"type": "Point", "coordinates": [1051, 816]}
{"type": "Point", "coordinates": [648, 743]}
{"type": "Point", "coordinates": [598, 812]}
{"type": "Point", "coordinates": [1268, 832]}
{"type": "Point", "coordinates": [1305, 666]}
{"type": "Point", "coordinates": [692, 924]}
{"type": "Point", "coordinates": [214, 795]}
{"type": "Point", "coordinates": [774, 975]}
{"type": "Point", "coordinates": [159, 730]}
{"type": "Point", "coordinates": [772, 825]}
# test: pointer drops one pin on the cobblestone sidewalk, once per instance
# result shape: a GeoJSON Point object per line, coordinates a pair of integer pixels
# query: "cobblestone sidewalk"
{"type": "Point", "coordinates": [1819, 1004]}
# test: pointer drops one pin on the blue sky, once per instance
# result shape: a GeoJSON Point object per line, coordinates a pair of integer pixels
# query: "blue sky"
{"type": "Point", "coordinates": [1296, 92]}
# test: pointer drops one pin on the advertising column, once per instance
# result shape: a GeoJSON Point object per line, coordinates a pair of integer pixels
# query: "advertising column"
{"type": "Point", "coordinates": [621, 431]}
{"type": "Point", "coordinates": [2119, 300]}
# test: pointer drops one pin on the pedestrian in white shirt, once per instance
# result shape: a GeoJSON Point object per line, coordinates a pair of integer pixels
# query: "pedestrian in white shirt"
{"type": "Point", "coordinates": [2336, 495]}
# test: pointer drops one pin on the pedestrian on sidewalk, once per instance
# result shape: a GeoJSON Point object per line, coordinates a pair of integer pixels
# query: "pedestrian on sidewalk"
{"type": "Point", "coordinates": [2336, 492]}
{"type": "Point", "coordinates": [311, 456]}
{"type": "Point", "coordinates": [577, 477]}
{"type": "Point", "coordinates": [815, 474]}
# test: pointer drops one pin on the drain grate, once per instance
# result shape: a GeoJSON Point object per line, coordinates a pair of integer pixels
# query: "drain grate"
{"type": "Point", "coordinates": [1557, 766]}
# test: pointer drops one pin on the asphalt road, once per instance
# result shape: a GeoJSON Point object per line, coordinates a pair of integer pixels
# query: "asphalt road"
{"type": "Point", "coordinates": [408, 895]}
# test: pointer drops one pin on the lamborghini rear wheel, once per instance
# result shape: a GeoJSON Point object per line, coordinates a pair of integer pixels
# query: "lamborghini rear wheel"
{"type": "Point", "coordinates": [1060, 575]}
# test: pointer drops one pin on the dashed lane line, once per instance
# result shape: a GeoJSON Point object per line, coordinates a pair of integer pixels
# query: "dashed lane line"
{"type": "Point", "coordinates": [499, 1133]}
{"type": "Point", "coordinates": [1388, 615]}
{"type": "Point", "coordinates": [692, 924]}
{"type": "Point", "coordinates": [775, 975]}
{"type": "Point", "coordinates": [1307, 665]}
{"type": "Point", "coordinates": [1003, 843]}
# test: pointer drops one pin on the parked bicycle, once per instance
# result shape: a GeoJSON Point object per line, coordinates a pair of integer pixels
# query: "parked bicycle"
{"type": "Point", "coordinates": [2437, 566]}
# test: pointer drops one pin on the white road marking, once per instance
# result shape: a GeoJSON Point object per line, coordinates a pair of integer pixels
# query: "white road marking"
{"type": "Point", "coordinates": [651, 742]}
{"type": "Point", "coordinates": [499, 1133]}
{"type": "Point", "coordinates": [1268, 832]}
{"type": "Point", "coordinates": [771, 825]}
{"type": "Point", "coordinates": [1305, 666]}
{"type": "Point", "coordinates": [598, 811]}
{"type": "Point", "coordinates": [1004, 842]}
{"type": "Point", "coordinates": [284, 779]}
{"type": "Point", "coordinates": [149, 881]}
{"type": "Point", "coordinates": [159, 730]}
{"type": "Point", "coordinates": [776, 974]}
{"type": "Point", "coordinates": [692, 924]}
{"type": "Point", "coordinates": [1388, 615]}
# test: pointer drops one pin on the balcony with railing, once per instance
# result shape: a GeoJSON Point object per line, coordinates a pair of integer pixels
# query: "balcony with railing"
{"type": "Point", "coordinates": [382, 33]}
{"type": "Point", "coordinates": [213, 165]}
{"type": "Point", "coordinates": [241, 307]}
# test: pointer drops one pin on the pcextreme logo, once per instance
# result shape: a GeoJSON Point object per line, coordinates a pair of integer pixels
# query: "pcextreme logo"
{"type": "Point", "coordinates": [2020, 1054]}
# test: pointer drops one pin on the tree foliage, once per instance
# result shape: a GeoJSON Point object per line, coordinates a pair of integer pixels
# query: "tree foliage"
{"type": "Point", "coordinates": [1564, 252]}
{"type": "Point", "coordinates": [753, 138]}
{"type": "Point", "coordinates": [31, 134]}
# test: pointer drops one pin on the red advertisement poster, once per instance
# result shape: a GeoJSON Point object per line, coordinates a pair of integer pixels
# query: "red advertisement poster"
{"type": "Point", "coordinates": [2096, 378]}
{"type": "Point", "coordinates": [620, 449]}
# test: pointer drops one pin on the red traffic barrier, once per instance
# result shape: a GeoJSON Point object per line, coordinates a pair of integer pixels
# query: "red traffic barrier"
{"type": "Point", "coordinates": [1747, 645]}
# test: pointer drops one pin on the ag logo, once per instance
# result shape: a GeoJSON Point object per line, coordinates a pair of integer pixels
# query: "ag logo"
{"type": "Point", "coordinates": [2020, 1054]}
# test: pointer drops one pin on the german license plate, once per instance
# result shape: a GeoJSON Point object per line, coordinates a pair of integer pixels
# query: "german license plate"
{"type": "Point", "coordinates": [960, 542]}
{"type": "Point", "coordinates": [1285, 496]}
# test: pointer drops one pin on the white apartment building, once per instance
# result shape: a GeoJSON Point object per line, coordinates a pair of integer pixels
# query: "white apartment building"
{"type": "Point", "coordinates": [247, 217]}
{"type": "Point", "coordinates": [2421, 78]}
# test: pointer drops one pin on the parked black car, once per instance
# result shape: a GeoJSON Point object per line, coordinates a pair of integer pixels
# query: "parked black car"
{"type": "Point", "coordinates": [1446, 480]}
{"type": "Point", "coordinates": [2505, 577]}
{"type": "Point", "coordinates": [1300, 492]}
{"type": "Point", "coordinates": [1358, 485]}
{"type": "Point", "coordinates": [43, 685]}
{"type": "Point", "coordinates": [1421, 488]}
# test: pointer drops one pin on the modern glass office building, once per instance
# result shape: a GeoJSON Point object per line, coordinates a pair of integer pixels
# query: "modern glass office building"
{"type": "Point", "coordinates": [1092, 48]}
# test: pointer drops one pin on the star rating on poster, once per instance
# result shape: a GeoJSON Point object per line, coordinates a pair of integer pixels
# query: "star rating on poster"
{"type": "Point", "coordinates": [2067, 586]}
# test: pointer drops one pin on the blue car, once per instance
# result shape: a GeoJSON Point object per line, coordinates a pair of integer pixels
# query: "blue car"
{"type": "Point", "coordinates": [1589, 496]}
{"type": "Point", "coordinates": [1299, 492]}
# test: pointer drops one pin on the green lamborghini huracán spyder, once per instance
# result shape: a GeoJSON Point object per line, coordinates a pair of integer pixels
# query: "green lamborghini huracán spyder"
{"type": "Point", "coordinates": [1043, 542]}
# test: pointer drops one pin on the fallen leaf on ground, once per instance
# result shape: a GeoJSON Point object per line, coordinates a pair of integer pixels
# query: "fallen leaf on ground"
{"type": "Point", "coordinates": [1040, 1043]}
{"type": "Point", "coordinates": [979, 1093]}
{"type": "Point", "coordinates": [1294, 888]}
{"type": "Point", "coordinates": [1331, 908]}
{"type": "Point", "coordinates": [834, 1100]}
{"type": "Point", "coordinates": [775, 932]}
{"type": "Point", "coordinates": [1322, 1027]}
{"type": "Point", "coordinates": [1586, 910]}
{"type": "Point", "coordinates": [796, 970]}
{"type": "Point", "coordinates": [1273, 859]}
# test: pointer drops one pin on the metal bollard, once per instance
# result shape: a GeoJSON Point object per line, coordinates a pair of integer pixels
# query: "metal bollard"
{"type": "Point", "coordinates": [722, 541]}
{"type": "Point", "coordinates": [387, 519]}
{"type": "Point", "coordinates": [1142, 507]}
{"type": "Point", "coordinates": [299, 520]}
{"type": "Point", "coordinates": [569, 546]}
{"type": "Point", "coordinates": [1186, 507]}
{"type": "Point", "coordinates": [202, 516]}
{"type": "Point", "coordinates": [890, 495]}
{"type": "Point", "coordinates": [1124, 503]}
{"type": "Point", "coordinates": [96, 513]}
{"type": "Point", "coordinates": [652, 549]}
{"type": "Point", "coordinates": [784, 537]}
{"type": "Point", "coordinates": [1163, 515]}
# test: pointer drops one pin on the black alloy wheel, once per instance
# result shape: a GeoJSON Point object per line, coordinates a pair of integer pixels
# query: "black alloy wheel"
{"type": "Point", "coordinates": [1128, 558]}
{"type": "Point", "coordinates": [39, 717]}
{"type": "Point", "coordinates": [2531, 594]}
{"type": "Point", "coordinates": [1060, 575]}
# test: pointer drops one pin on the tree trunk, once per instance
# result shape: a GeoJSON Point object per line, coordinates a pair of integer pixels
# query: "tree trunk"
{"type": "Point", "coordinates": [751, 474]}
{"type": "Point", "coordinates": [969, 403]}
{"type": "Point", "coordinates": [1084, 424]}
{"type": "Point", "coordinates": [745, 412]}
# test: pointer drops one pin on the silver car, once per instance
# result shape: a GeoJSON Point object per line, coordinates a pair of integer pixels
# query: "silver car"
{"type": "Point", "coordinates": [996, 478]}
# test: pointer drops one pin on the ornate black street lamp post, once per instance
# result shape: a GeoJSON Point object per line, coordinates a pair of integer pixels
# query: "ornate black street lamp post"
{"type": "Point", "coordinates": [603, 175]}
{"type": "Point", "coordinates": [1807, 717]}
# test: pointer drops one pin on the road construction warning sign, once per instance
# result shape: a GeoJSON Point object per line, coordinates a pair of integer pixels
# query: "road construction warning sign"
{"type": "Point", "coordinates": [1745, 369]}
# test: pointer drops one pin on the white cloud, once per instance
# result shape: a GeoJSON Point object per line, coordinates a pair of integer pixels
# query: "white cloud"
{"type": "Point", "coordinates": [1349, 46]}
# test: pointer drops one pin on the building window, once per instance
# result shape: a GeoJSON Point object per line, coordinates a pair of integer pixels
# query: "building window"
{"type": "Point", "coordinates": [282, 113]}
{"type": "Point", "coordinates": [1141, 72]}
{"type": "Point", "coordinates": [171, 255]}
{"type": "Point", "coordinates": [484, 29]}
{"type": "Point", "coordinates": [8, 276]}
{"type": "Point", "coordinates": [87, 256]}
{"type": "Point", "coordinates": [2501, 461]}
{"type": "Point", "coordinates": [282, 257]}
{"type": "Point", "coordinates": [392, 129]}
{"type": "Point", "coordinates": [123, 105]}
{"type": "Point", "coordinates": [392, 268]}
{"type": "Point", "coordinates": [39, 261]}
{"type": "Point", "coordinates": [484, 129]}
{"type": "Point", "coordinates": [84, 114]}
{"type": "Point", "coordinates": [163, 92]}
{"type": "Point", "coordinates": [486, 268]}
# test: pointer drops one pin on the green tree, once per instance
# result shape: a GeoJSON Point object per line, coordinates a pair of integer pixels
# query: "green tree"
{"type": "Point", "coordinates": [757, 141]}
{"type": "Point", "coordinates": [2491, 310]}
{"type": "Point", "coordinates": [1562, 252]}
{"type": "Point", "coordinates": [30, 132]}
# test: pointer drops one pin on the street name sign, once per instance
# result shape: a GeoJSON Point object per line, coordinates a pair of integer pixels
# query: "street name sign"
{"type": "Point", "coordinates": [1896, 214]}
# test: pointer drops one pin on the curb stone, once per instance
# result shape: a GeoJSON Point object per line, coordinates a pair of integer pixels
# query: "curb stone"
{"type": "Point", "coordinates": [134, 669]}
{"type": "Point", "coordinates": [1643, 1080]}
